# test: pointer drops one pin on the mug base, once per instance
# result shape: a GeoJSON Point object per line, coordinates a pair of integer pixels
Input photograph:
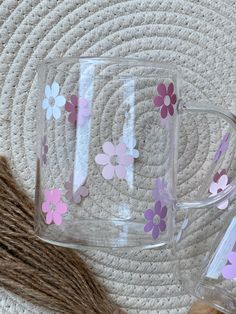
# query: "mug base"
{"type": "Point", "coordinates": [102, 234]}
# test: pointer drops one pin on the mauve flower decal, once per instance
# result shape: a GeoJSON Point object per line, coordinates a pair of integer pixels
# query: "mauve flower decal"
{"type": "Point", "coordinates": [224, 145]}
{"type": "Point", "coordinates": [53, 102]}
{"type": "Point", "coordinates": [160, 191]}
{"type": "Point", "coordinates": [219, 184]}
{"type": "Point", "coordinates": [229, 271]}
{"type": "Point", "coordinates": [115, 160]}
{"type": "Point", "coordinates": [166, 99]}
{"type": "Point", "coordinates": [73, 106]}
{"type": "Point", "coordinates": [155, 220]}
{"type": "Point", "coordinates": [76, 196]}
{"type": "Point", "coordinates": [53, 206]}
{"type": "Point", "coordinates": [44, 149]}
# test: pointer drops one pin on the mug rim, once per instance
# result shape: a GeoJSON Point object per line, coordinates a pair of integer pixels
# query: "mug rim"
{"type": "Point", "coordinates": [110, 60]}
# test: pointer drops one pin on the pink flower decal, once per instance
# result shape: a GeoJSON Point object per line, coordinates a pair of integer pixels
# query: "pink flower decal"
{"type": "Point", "coordinates": [229, 271]}
{"type": "Point", "coordinates": [155, 218]}
{"type": "Point", "coordinates": [44, 149]}
{"type": "Point", "coordinates": [115, 160]}
{"type": "Point", "coordinates": [72, 107]}
{"type": "Point", "coordinates": [219, 184]}
{"type": "Point", "coordinates": [53, 206]}
{"type": "Point", "coordinates": [160, 191]}
{"type": "Point", "coordinates": [82, 191]}
{"type": "Point", "coordinates": [224, 145]}
{"type": "Point", "coordinates": [166, 99]}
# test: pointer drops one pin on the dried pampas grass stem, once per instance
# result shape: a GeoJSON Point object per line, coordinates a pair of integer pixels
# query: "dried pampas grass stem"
{"type": "Point", "coordinates": [43, 274]}
{"type": "Point", "coordinates": [202, 308]}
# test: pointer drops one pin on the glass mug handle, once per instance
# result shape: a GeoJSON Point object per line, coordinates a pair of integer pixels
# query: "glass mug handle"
{"type": "Point", "coordinates": [231, 119]}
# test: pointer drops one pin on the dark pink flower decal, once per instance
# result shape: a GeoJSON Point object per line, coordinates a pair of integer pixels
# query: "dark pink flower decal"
{"type": "Point", "coordinates": [73, 106]}
{"type": "Point", "coordinates": [166, 99]}
{"type": "Point", "coordinates": [155, 219]}
{"type": "Point", "coordinates": [218, 175]}
{"type": "Point", "coordinates": [53, 207]}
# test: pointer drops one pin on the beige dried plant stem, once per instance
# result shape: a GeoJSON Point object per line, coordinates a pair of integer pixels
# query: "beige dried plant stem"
{"type": "Point", "coordinates": [202, 308]}
{"type": "Point", "coordinates": [43, 274]}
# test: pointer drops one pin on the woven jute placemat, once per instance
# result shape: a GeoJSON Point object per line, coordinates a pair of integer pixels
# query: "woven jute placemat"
{"type": "Point", "coordinates": [195, 35]}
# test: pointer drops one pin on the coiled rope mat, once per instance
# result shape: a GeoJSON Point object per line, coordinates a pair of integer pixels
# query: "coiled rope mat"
{"type": "Point", "coordinates": [197, 35]}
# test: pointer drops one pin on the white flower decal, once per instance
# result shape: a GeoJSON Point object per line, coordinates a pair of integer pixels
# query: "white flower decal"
{"type": "Point", "coordinates": [53, 102]}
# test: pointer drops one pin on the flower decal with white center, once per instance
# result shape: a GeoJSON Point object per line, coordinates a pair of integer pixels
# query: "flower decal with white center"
{"type": "Point", "coordinates": [166, 99]}
{"type": "Point", "coordinates": [53, 102]}
{"type": "Point", "coordinates": [155, 219]}
{"type": "Point", "coordinates": [115, 160]}
{"type": "Point", "coordinates": [73, 106]}
{"type": "Point", "coordinates": [53, 207]}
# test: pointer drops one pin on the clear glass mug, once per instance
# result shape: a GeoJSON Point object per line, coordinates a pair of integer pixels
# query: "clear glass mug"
{"type": "Point", "coordinates": [107, 152]}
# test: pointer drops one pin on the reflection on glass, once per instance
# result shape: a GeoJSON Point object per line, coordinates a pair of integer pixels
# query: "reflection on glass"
{"type": "Point", "coordinates": [83, 130]}
{"type": "Point", "coordinates": [128, 128]}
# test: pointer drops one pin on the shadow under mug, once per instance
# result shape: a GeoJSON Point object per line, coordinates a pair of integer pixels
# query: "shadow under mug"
{"type": "Point", "coordinates": [107, 152]}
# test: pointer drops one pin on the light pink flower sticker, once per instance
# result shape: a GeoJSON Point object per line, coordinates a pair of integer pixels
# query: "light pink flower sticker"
{"type": "Point", "coordinates": [53, 207]}
{"type": "Point", "coordinates": [115, 160]}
